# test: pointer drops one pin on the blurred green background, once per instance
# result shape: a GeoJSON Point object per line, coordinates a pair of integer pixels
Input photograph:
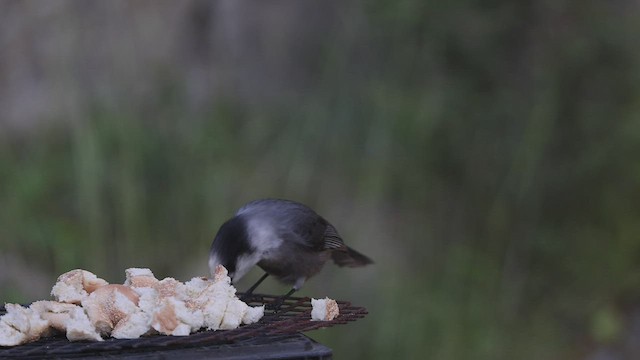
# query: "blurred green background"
{"type": "Point", "coordinates": [484, 153]}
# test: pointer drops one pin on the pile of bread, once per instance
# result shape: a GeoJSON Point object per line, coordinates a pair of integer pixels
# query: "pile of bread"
{"type": "Point", "coordinates": [88, 308]}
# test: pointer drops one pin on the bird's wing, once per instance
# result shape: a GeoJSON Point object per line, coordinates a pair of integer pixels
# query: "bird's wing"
{"type": "Point", "coordinates": [313, 231]}
{"type": "Point", "coordinates": [332, 239]}
{"type": "Point", "coordinates": [297, 223]}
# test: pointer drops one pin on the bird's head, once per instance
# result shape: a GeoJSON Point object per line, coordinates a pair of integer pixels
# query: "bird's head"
{"type": "Point", "coordinates": [230, 248]}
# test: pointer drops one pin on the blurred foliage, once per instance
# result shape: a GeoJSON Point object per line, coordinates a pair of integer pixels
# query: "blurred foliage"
{"type": "Point", "coordinates": [483, 153]}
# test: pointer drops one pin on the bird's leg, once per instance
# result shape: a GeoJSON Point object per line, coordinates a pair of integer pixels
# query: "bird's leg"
{"type": "Point", "coordinates": [247, 295]}
{"type": "Point", "coordinates": [277, 303]}
{"type": "Point", "coordinates": [250, 291]}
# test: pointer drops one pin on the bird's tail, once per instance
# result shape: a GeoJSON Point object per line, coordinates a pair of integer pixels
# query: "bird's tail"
{"type": "Point", "coordinates": [350, 258]}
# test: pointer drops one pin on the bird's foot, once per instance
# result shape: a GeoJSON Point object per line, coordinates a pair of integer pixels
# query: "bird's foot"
{"type": "Point", "coordinates": [249, 297]}
{"type": "Point", "coordinates": [278, 302]}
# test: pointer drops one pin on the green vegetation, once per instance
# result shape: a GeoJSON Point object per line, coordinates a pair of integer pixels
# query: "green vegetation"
{"type": "Point", "coordinates": [484, 155]}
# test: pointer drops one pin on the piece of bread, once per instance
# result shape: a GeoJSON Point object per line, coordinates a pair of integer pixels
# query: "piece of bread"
{"type": "Point", "coordinates": [173, 317]}
{"type": "Point", "coordinates": [133, 326]}
{"type": "Point", "coordinates": [211, 297]}
{"type": "Point", "coordinates": [109, 305]}
{"type": "Point", "coordinates": [324, 309]}
{"type": "Point", "coordinates": [80, 328]}
{"type": "Point", "coordinates": [13, 327]}
{"type": "Point", "coordinates": [10, 336]}
{"type": "Point", "coordinates": [56, 313]}
{"type": "Point", "coordinates": [195, 287]}
{"type": "Point", "coordinates": [218, 302]}
{"type": "Point", "coordinates": [253, 314]}
{"type": "Point", "coordinates": [169, 314]}
{"type": "Point", "coordinates": [164, 302]}
{"type": "Point", "coordinates": [75, 285]}
{"type": "Point", "coordinates": [140, 277]}
{"type": "Point", "coordinates": [233, 314]}
{"type": "Point", "coordinates": [221, 274]}
{"type": "Point", "coordinates": [67, 318]}
{"type": "Point", "coordinates": [169, 287]}
{"type": "Point", "coordinates": [20, 325]}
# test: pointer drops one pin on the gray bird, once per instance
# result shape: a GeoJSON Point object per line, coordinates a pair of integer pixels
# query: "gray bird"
{"type": "Point", "coordinates": [288, 240]}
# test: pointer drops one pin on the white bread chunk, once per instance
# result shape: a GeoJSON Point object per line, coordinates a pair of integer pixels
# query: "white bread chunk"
{"type": "Point", "coordinates": [56, 313]}
{"type": "Point", "coordinates": [221, 274]}
{"type": "Point", "coordinates": [147, 299]}
{"type": "Point", "coordinates": [75, 285]}
{"type": "Point", "coordinates": [132, 272]}
{"type": "Point", "coordinates": [194, 288]}
{"type": "Point", "coordinates": [218, 302]}
{"type": "Point", "coordinates": [199, 292]}
{"type": "Point", "coordinates": [174, 318]}
{"type": "Point", "coordinates": [25, 320]}
{"type": "Point", "coordinates": [324, 309]}
{"type": "Point", "coordinates": [213, 312]}
{"type": "Point", "coordinates": [169, 315]}
{"type": "Point", "coordinates": [68, 318]}
{"type": "Point", "coordinates": [253, 314]}
{"type": "Point", "coordinates": [194, 318]}
{"type": "Point", "coordinates": [233, 314]}
{"type": "Point", "coordinates": [170, 287]}
{"type": "Point", "coordinates": [109, 305]}
{"type": "Point", "coordinates": [212, 298]}
{"type": "Point", "coordinates": [20, 325]}
{"type": "Point", "coordinates": [165, 320]}
{"type": "Point", "coordinates": [135, 321]}
{"type": "Point", "coordinates": [133, 326]}
{"type": "Point", "coordinates": [79, 327]}
{"type": "Point", "coordinates": [10, 336]}
{"type": "Point", "coordinates": [140, 277]}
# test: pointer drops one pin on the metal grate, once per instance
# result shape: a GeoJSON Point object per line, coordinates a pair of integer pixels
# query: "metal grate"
{"type": "Point", "coordinates": [294, 317]}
